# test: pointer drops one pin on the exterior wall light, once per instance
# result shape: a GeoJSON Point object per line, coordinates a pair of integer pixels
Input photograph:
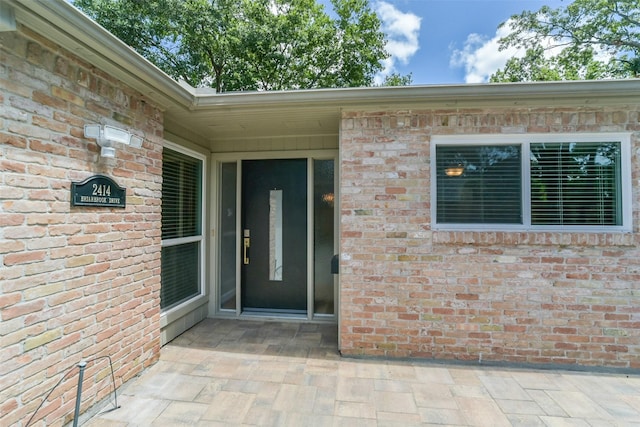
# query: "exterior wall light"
{"type": "Point", "coordinates": [107, 136]}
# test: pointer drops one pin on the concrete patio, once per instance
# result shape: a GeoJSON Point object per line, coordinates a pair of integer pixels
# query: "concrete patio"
{"type": "Point", "coordinates": [230, 372]}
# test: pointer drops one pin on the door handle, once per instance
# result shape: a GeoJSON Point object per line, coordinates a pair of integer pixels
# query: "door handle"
{"type": "Point", "coordinates": [245, 246]}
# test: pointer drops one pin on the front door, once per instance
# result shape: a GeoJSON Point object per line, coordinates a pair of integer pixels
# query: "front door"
{"type": "Point", "coordinates": [274, 236]}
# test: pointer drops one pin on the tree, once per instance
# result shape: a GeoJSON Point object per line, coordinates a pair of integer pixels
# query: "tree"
{"type": "Point", "coordinates": [595, 39]}
{"type": "Point", "coordinates": [235, 45]}
{"type": "Point", "coordinates": [396, 79]}
{"type": "Point", "coordinates": [536, 65]}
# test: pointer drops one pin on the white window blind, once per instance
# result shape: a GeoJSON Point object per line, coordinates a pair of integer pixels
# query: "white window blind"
{"type": "Point", "coordinates": [181, 195]}
{"type": "Point", "coordinates": [181, 227]}
{"type": "Point", "coordinates": [575, 183]}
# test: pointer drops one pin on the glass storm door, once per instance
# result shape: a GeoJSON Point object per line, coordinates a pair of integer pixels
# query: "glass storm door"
{"type": "Point", "coordinates": [273, 240]}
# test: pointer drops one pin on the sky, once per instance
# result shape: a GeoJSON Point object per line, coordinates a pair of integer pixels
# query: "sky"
{"type": "Point", "coordinates": [447, 41]}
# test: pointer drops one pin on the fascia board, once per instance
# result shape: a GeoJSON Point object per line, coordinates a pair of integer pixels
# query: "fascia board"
{"type": "Point", "coordinates": [68, 27]}
{"type": "Point", "coordinates": [584, 92]}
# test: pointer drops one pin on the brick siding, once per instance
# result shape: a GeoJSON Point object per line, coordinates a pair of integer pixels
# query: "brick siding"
{"type": "Point", "coordinates": [76, 283]}
{"type": "Point", "coordinates": [514, 297]}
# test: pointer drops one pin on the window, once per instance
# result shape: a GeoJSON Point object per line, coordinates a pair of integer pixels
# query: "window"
{"type": "Point", "coordinates": [537, 182]}
{"type": "Point", "coordinates": [228, 235]}
{"type": "Point", "coordinates": [479, 184]}
{"type": "Point", "coordinates": [323, 235]}
{"type": "Point", "coordinates": [182, 237]}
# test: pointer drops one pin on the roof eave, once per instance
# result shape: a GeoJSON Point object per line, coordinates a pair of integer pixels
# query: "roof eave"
{"type": "Point", "coordinates": [582, 91]}
{"type": "Point", "coordinates": [68, 27]}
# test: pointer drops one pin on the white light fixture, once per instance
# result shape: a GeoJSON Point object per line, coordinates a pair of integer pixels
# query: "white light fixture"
{"type": "Point", "coordinates": [107, 136]}
{"type": "Point", "coordinates": [92, 131]}
{"type": "Point", "coordinates": [116, 135]}
{"type": "Point", "coordinates": [135, 141]}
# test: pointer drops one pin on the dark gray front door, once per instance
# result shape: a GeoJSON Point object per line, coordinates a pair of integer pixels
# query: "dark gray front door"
{"type": "Point", "coordinates": [274, 236]}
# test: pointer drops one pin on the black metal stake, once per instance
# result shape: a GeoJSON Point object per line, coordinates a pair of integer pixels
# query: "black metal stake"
{"type": "Point", "coordinates": [76, 415]}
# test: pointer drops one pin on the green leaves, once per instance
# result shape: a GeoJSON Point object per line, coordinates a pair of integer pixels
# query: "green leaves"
{"type": "Point", "coordinates": [588, 39]}
{"type": "Point", "coordinates": [239, 45]}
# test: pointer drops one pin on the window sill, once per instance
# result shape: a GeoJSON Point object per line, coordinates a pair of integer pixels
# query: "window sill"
{"type": "Point", "coordinates": [182, 310]}
{"type": "Point", "coordinates": [535, 238]}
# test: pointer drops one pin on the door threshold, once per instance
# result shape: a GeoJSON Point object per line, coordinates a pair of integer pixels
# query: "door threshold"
{"type": "Point", "coordinates": [271, 312]}
{"type": "Point", "coordinates": [279, 317]}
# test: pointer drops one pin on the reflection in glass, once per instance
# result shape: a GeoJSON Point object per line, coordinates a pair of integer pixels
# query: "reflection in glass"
{"type": "Point", "coordinates": [275, 235]}
{"type": "Point", "coordinates": [575, 184]}
{"type": "Point", "coordinates": [323, 232]}
{"type": "Point", "coordinates": [228, 236]}
{"type": "Point", "coordinates": [479, 184]}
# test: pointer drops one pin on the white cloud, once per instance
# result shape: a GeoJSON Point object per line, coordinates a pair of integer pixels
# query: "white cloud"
{"type": "Point", "coordinates": [481, 57]}
{"type": "Point", "coordinates": [402, 30]}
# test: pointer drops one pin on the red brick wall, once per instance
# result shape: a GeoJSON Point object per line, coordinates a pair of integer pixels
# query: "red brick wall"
{"type": "Point", "coordinates": [535, 298]}
{"type": "Point", "coordinates": [76, 283]}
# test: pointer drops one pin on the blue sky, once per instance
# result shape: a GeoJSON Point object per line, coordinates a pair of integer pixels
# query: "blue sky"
{"type": "Point", "coordinates": [448, 41]}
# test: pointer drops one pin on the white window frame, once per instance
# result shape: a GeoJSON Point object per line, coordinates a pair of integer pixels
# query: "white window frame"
{"type": "Point", "coordinates": [524, 140]}
{"type": "Point", "coordinates": [179, 309]}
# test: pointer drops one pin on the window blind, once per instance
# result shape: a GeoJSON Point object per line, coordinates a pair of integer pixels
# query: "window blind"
{"type": "Point", "coordinates": [479, 184]}
{"type": "Point", "coordinates": [181, 195]}
{"type": "Point", "coordinates": [180, 273]}
{"type": "Point", "coordinates": [575, 183]}
{"type": "Point", "coordinates": [181, 217]}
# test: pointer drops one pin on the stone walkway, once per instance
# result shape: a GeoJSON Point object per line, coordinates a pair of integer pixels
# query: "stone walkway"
{"type": "Point", "coordinates": [232, 373]}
